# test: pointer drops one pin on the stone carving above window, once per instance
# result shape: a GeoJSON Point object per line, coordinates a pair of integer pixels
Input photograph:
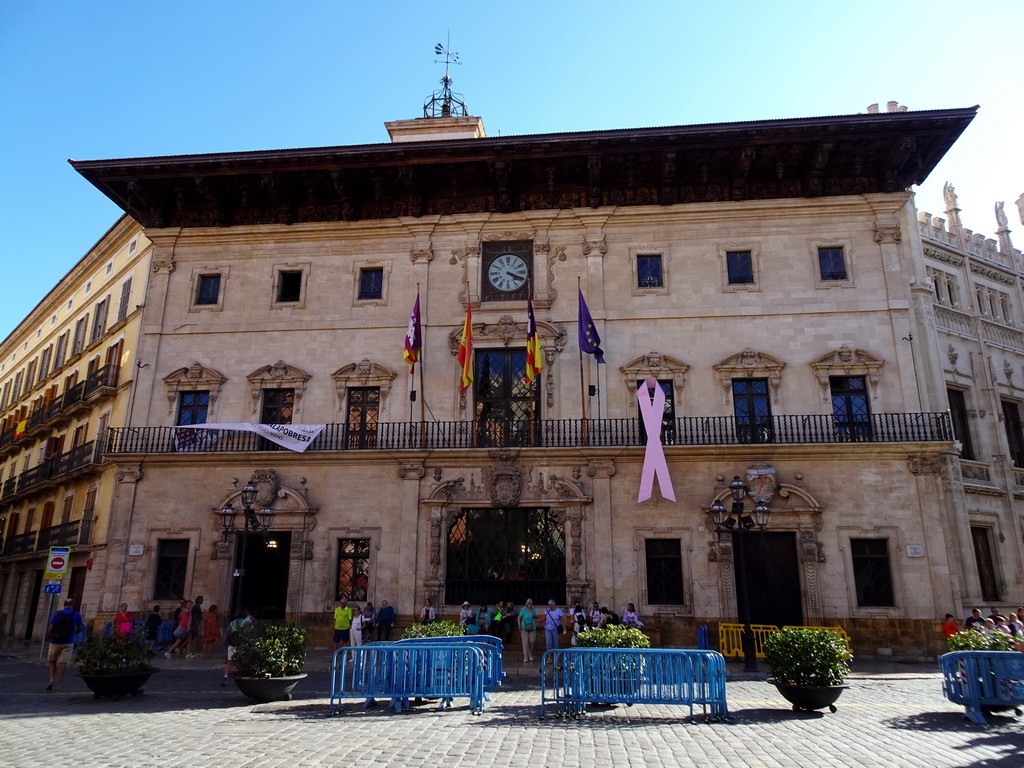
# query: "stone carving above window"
{"type": "Point", "coordinates": [661, 367]}
{"type": "Point", "coordinates": [750, 364]}
{"type": "Point", "coordinates": [365, 373]}
{"type": "Point", "coordinates": [196, 377]}
{"type": "Point", "coordinates": [279, 375]}
{"type": "Point", "coordinates": [847, 362]}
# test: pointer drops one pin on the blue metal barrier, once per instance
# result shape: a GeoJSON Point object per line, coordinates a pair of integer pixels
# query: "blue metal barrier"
{"type": "Point", "coordinates": [579, 676]}
{"type": "Point", "coordinates": [401, 671]}
{"type": "Point", "coordinates": [983, 680]}
{"type": "Point", "coordinates": [491, 646]}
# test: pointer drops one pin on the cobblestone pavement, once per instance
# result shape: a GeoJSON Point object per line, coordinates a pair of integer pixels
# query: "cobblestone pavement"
{"type": "Point", "coordinates": [889, 717]}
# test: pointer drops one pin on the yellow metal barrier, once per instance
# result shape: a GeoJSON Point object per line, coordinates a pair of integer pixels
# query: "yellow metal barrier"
{"type": "Point", "coordinates": [730, 637]}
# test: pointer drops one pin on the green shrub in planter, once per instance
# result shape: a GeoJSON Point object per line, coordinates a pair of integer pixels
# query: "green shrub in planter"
{"type": "Point", "coordinates": [615, 636]}
{"type": "Point", "coordinates": [807, 657]}
{"type": "Point", "coordinates": [114, 655]}
{"type": "Point", "coordinates": [268, 649]}
{"type": "Point", "coordinates": [433, 629]}
{"type": "Point", "coordinates": [973, 640]}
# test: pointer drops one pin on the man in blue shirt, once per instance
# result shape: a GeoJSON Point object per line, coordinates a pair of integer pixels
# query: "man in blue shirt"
{"type": "Point", "coordinates": [61, 632]}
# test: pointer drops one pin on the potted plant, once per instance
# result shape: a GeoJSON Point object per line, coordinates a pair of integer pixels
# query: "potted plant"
{"type": "Point", "coordinates": [268, 660]}
{"type": "Point", "coordinates": [433, 629]}
{"type": "Point", "coordinates": [973, 640]}
{"type": "Point", "coordinates": [115, 666]}
{"type": "Point", "coordinates": [808, 666]}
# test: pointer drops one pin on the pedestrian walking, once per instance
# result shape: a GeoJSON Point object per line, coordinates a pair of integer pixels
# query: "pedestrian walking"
{"type": "Point", "coordinates": [195, 629]}
{"type": "Point", "coordinates": [153, 623]}
{"type": "Point", "coordinates": [61, 633]}
{"type": "Point", "coordinates": [181, 632]}
{"type": "Point", "coordinates": [552, 625]}
{"type": "Point", "coordinates": [528, 630]}
{"type": "Point", "coordinates": [241, 621]}
{"type": "Point", "coordinates": [211, 631]}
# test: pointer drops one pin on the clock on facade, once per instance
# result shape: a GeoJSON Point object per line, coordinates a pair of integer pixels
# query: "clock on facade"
{"type": "Point", "coordinates": [506, 269]}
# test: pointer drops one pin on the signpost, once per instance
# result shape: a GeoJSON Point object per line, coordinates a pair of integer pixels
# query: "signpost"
{"type": "Point", "coordinates": [57, 563]}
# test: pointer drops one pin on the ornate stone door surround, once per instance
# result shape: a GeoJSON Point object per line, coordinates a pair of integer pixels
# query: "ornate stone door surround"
{"type": "Point", "coordinates": [503, 485]}
{"type": "Point", "coordinates": [793, 508]}
{"type": "Point", "coordinates": [293, 513]}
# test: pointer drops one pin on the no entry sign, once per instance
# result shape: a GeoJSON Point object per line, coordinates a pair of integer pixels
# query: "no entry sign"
{"type": "Point", "coordinates": [57, 563]}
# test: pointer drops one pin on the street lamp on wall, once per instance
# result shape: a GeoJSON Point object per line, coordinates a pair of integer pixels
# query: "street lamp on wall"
{"type": "Point", "coordinates": [252, 522]}
{"type": "Point", "coordinates": [735, 520]}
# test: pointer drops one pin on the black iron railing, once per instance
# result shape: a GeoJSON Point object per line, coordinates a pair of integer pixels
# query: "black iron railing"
{"type": "Point", "coordinates": [49, 469]}
{"type": "Point", "coordinates": [20, 544]}
{"type": "Point", "coordinates": [564, 433]}
{"type": "Point", "coordinates": [59, 535]}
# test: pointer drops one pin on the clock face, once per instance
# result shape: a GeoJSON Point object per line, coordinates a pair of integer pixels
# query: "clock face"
{"type": "Point", "coordinates": [508, 272]}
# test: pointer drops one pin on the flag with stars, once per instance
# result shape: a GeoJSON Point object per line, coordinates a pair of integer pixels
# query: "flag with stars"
{"type": "Point", "coordinates": [590, 341]}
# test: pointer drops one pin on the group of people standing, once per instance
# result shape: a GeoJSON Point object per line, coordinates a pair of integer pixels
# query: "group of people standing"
{"type": "Point", "coordinates": [554, 620]}
{"type": "Point", "coordinates": [195, 630]}
{"type": "Point", "coordinates": [354, 625]}
{"type": "Point", "coordinates": [1011, 624]}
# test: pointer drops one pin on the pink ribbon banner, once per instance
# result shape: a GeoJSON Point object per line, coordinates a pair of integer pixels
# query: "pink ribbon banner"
{"type": "Point", "coordinates": [655, 465]}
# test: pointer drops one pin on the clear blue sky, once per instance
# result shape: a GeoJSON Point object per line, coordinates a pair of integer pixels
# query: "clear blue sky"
{"type": "Point", "coordinates": [94, 79]}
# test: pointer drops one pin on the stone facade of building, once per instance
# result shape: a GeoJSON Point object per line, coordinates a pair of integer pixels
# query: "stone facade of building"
{"type": "Point", "coordinates": [772, 277]}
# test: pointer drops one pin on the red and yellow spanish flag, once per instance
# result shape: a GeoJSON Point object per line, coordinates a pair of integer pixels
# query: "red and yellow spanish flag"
{"type": "Point", "coordinates": [413, 339]}
{"type": "Point", "coordinates": [466, 350]}
{"type": "Point", "coordinates": [533, 358]}
{"type": "Point", "coordinates": [19, 428]}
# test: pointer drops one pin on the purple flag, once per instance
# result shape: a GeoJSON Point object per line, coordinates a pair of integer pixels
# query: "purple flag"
{"type": "Point", "coordinates": [590, 342]}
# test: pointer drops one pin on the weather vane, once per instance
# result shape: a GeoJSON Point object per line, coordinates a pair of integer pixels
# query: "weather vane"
{"type": "Point", "coordinates": [444, 103]}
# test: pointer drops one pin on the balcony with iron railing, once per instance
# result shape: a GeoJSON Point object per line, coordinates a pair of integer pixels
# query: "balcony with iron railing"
{"type": "Point", "coordinates": [561, 433]}
{"type": "Point", "coordinates": [100, 383]}
{"type": "Point", "coordinates": [51, 470]}
{"type": "Point", "coordinates": [20, 544]}
{"type": "Point", "coordinates": [65, 534]}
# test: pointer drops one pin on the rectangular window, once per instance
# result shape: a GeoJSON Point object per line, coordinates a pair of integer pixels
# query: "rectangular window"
{"type": "Point", "coordinates": [67, 509]}
{"type": "Point", "coordinates": [47, 519]}
{"type": "Point", "coordinates": [18, 377]}
{"type": "Point", "coordinates": [44, 364]}
{"type": "Point", "coordinates": [208, 289]}
{"type": "Point", "coordinates": [278, 405]}
{"type": "Point", "coordinates": [740, 265]}
{"type": "Point", "coordinates": [648, 270]}
{"type": "Point", "coordinates": [193, 407]}
{"type": "Point", "coordinates": [62, 350]}
{"type": "Point", "coordinates": [872, 574]}
{"type": "Point", "coordinates": [850, 410]}
{"type": "Point", "coordinates": [353, 569]}
{"type": "Point", "coordinates": [78, 344]}
{"type": "Point", "coordinates": [99, 320]}
{"type": "Point", "coordinates": [30, 375]}
{"type": "Point", "coordinates": [289, 285]}
{"type": "Point", "coordinates": [958, 416]}
{"type": "Point", "coordinates": [126, 298]}
{"type": "Point", "coordinates": [981, 537]}
{"type": "Point", "coordinates": [1011, 423]}
{"type": "Point", "coordinates": [832, 264]}
{"type": "Point", "coordinates": [668, 418]}
{"type": "Point", "coordinates": [171, 565]}
{"type": "Point", "coordinates": [371, 283]}
{"type": "Point", "coordinates": [363, 416]}
{"type": "Point", "coordinates": [664, 572]}
{"type": "Point", "coordinates": [751, 403]}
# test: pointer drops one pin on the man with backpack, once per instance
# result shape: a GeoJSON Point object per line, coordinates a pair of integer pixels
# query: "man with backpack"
{"type": "Point", "coordinates": [61, 632]}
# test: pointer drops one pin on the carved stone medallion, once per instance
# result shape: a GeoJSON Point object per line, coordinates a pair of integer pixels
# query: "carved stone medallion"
{"type": "Point", "coordinates": [761, 482]}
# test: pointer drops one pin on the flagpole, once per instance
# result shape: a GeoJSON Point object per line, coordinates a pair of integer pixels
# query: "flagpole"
{"type": "Point", "coordinates": [583, 397]}
{"type": "Point", "coordinates": [423, 423]}
{"type": "Point", "coordinates": [533, 381]}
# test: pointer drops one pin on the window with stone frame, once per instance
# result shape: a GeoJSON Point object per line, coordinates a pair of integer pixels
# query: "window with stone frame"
{"type": "Point", "coordinates": [278, 406]}
{"type": "Point", "coordinates": [371, 283]}
{"type": "Point", "coordinates": [832, 263]}
{"type": "Point", "coordinates": [125, 302]}
{"type": "Point", "coordinates": [872, 572]}
{"type": "Point", "coordinates": [193, 407]}
{"type": "Point", "coordinates": [739, 267]}
{"type": "Point", "coordinates": [207, 289]}
{"type": "Point", "coordinates": [1012, 429]}
{"type": "Point", "coordinates": [649, 272]}
{"type": "Point", "coordinates": [171, 567]}
{"type": "Point", "coordinates": [363, 417]}
{"type": "Point", "coordinates": [664, 561]}
{"type": "Point", "coordinates": [353, 573]}
{"type": "Point", "coordinates": [981, 539]}
{"type": "Point", "coordinates": [958, 416]}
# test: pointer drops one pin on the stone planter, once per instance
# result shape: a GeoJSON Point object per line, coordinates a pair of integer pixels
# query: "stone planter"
{"type": "Point", "coordinates": [810, 697]}
{"type": "Point", "coordinates": [116, 686]}
{"type": "Point", "coordinates": [264, 689]}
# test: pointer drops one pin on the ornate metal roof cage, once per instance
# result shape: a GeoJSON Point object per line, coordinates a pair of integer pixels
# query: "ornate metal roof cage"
{"type": "Point", "coordinates": [444, 103]}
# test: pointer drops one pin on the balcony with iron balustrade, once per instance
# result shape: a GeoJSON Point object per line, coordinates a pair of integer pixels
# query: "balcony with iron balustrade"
{"type": "Point", "coordinates": [83, 459]}
{"type": "Point", "coordinates": [562, 433]}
